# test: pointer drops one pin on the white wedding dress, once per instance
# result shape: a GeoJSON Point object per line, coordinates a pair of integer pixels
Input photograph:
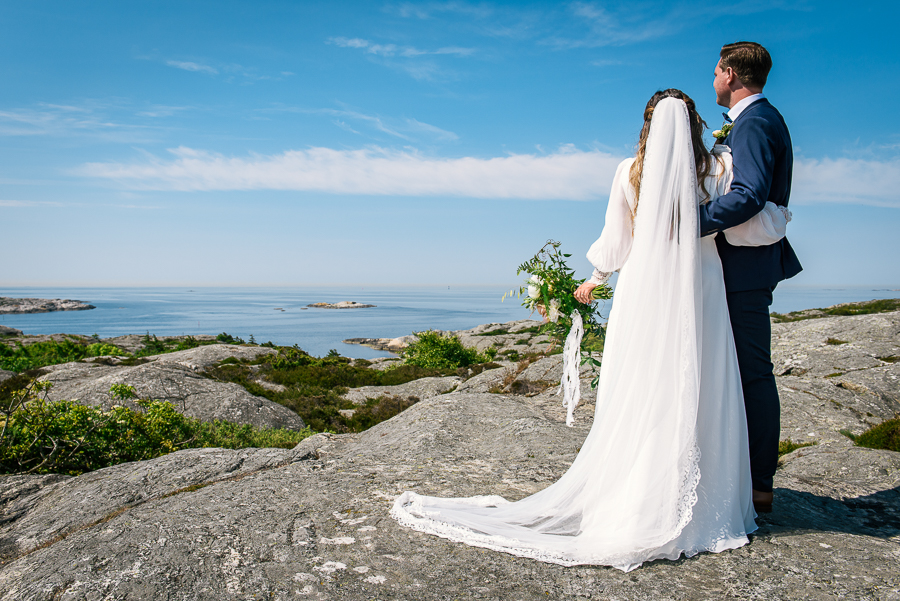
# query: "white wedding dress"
{"type": "Point", "coordinates": [665, 469]}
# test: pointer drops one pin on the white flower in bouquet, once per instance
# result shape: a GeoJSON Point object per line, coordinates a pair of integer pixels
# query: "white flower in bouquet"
{"type": "Point", "coordinates": [534, 290]}
{"type": "Point", "coordinates": [553, 312]}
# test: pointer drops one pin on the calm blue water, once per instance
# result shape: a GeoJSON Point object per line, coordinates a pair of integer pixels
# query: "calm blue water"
{"type": "Point", "coordinates": [245, 311]}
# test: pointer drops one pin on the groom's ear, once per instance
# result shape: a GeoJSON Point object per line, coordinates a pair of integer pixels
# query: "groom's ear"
{"type": "Point", "coordinates": [730, 76]}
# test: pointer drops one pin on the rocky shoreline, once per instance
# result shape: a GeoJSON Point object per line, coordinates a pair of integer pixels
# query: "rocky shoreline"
{"type": "Point", "coordinates": [41, 305]}
{"type": "Point", "coordinates": [313, 523]}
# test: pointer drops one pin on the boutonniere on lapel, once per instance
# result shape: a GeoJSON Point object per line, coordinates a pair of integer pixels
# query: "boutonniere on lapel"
{"type": "Point", "coordinates": [721, 134]}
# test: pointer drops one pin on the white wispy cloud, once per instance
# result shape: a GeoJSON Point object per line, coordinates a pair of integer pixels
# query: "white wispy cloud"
{"type": "Point", "coordinates": [403, 128]}
{"type": "Point", "coordinates": [98, 119]}
{"type": "Point", "coordinates": [389, 50]}
{"type": "Point", "coordinates": [846, 180]}
{"type": "Point", "coordinates": [160, 110]}
{"type": "Point", "coordinates": [565, 174]}
{"type": "Point", "coordinates": [29, 203]}
{"type": "Point", "coordinates": [630, 23]}
{"type": "Point", "coordinates": [427, 10]}
{"type": "Point", "coordinates": [191, 66]}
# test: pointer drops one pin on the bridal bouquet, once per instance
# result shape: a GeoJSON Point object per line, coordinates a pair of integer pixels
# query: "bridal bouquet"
{"type": "Point", "coordinates": [550, 289]}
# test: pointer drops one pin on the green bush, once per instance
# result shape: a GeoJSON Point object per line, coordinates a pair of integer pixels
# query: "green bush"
{"type": "Point", "coordinates": [435, 351]}
{"type": "Point", "coordinates": [40, 436]}
{"type": "Point", "coordinates": [155, 346]}
{"type": "Point", "coordinates": [19, 358]}
{"type": "Point", "coordinates": [885, 435]}
{"type": "Point", "coordinates": [22, 357]}
{"type": "Point", "coordinates": [228, 339]}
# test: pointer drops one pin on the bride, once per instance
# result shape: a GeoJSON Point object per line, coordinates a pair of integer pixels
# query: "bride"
{"type": "Point", "coordinates": [665, 469]}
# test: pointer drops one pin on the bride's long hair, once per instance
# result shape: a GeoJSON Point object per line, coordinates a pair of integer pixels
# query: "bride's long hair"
{"type": "Point", "coordinates": [702, 158]}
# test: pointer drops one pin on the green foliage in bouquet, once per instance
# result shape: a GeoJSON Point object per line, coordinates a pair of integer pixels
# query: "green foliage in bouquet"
{"type": "Point", "coordinates": [550, 289]}
{"type": "Point", "coordinates": [552, 286]}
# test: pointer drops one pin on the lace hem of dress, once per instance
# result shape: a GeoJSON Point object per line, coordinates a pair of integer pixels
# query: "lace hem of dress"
{"type": "Point", "coordinates": [409, 511]}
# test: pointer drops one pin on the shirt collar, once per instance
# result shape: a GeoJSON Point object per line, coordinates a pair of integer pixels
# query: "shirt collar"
{"type": "Point", "coordinates": [735, 111]}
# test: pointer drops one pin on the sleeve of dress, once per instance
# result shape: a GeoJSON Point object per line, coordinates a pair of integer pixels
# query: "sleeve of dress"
{"type": "Point", "coordinates": [754, 147]}
{"type": "Point", "coordinates": [610, 251]}
{"type": "Point", "coordinates": [766, 227]}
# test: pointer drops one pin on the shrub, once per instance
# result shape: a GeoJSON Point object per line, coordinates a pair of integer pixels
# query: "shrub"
{"type": "Point", "coordinates": [39, 436]}
{"type": "Point", "coordinates": [19, 358]}
{"type": "Point", "coordinates": [228, 339]}
{"type": "Point", "coordinates": [434, 351]}
{"type": "Point", "coordinates": [155, 346]}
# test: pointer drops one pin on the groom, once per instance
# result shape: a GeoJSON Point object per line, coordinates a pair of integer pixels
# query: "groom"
{"type": "Point", "coordinates": [763, 159]}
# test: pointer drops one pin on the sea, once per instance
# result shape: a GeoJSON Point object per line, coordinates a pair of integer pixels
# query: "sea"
{"type": "Point", "coordinates": [280, 314]}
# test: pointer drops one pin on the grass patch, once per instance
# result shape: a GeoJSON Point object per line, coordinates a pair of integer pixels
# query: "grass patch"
{"type": "Point", "coordinates": [891, 359]}
{"type": "Point", "coordinates": [835, 374]}
{"type": "Point", "coordinates": [863, 308]}
{"type": "Point", "coordinates": [497, 332]}
{"type": "Point", "coordinates": [885, 435]}
{"type": "Point", "coordinates": [835, 341]}
{"type": "Point", "coordinates": [530, 330]}
{"type": "Point", "coordinates": [789, 446]}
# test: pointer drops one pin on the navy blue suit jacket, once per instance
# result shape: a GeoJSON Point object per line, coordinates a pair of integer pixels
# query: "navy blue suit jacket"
{"type": "Point", "coordinates": [763, 161]}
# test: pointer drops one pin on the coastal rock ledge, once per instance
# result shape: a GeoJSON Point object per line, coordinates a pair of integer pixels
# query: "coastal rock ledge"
{"type": "Point", "coordinates": [312, 522]}
{"type": "Point", "coordinates": [41, 305]}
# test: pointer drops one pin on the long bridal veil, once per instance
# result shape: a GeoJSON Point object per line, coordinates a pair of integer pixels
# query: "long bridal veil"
{"type": "Point", "coordinates": [632, 488]}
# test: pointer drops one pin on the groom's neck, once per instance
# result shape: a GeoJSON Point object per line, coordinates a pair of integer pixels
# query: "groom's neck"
{"type": "Point", "coordinates": [741, 93]}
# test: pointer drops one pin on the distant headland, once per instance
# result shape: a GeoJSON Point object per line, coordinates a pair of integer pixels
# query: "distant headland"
{"type": "Point", "coordinates": [41, 305]}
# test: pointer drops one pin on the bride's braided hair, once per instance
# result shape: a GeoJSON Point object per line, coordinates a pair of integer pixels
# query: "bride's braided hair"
{"type": "Point", "coordinates": [702, 157]}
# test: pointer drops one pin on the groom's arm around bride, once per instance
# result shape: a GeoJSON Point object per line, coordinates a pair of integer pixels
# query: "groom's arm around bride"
{"type": "Point", "coordinates": [763, 160]}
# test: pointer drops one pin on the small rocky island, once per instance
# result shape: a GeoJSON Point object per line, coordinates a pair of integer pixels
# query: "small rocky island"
{"type": "Point", "coordinates": [41, 305]}
{"type": "Point", "coordinates": [340, 305]}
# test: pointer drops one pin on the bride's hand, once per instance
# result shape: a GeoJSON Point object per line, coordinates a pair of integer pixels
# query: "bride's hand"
{"type": "Point", "coordinates": [583, 294]}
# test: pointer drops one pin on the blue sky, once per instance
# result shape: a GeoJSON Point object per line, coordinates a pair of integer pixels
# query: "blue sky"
{"type": "Point", "coordinates": [259, 143]}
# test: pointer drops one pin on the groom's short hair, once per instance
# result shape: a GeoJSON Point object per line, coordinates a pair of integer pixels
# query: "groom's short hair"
{"type": "Point", "coordinates": [749, 61]}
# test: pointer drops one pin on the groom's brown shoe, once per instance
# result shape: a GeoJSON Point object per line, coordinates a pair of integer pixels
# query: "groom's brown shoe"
{"type": "Point", "coordinates": [762, 501]}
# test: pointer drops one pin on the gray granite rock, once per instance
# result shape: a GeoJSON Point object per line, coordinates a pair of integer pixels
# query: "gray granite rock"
{"type": "Point", "coordinates": [6, 375]}
{"type": "Point", "coordinates": [312, 523]}
{"type": "Point", "coordinates": [422, 388]}
{"type": "Point", "coordinates": [204, 357]}
{"type": "Point", "coordinates": [175, 377]}
{"type": "Point", "coordinates": [836, 373]}
{"type": "Point", "coordinates": [7, 331]}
